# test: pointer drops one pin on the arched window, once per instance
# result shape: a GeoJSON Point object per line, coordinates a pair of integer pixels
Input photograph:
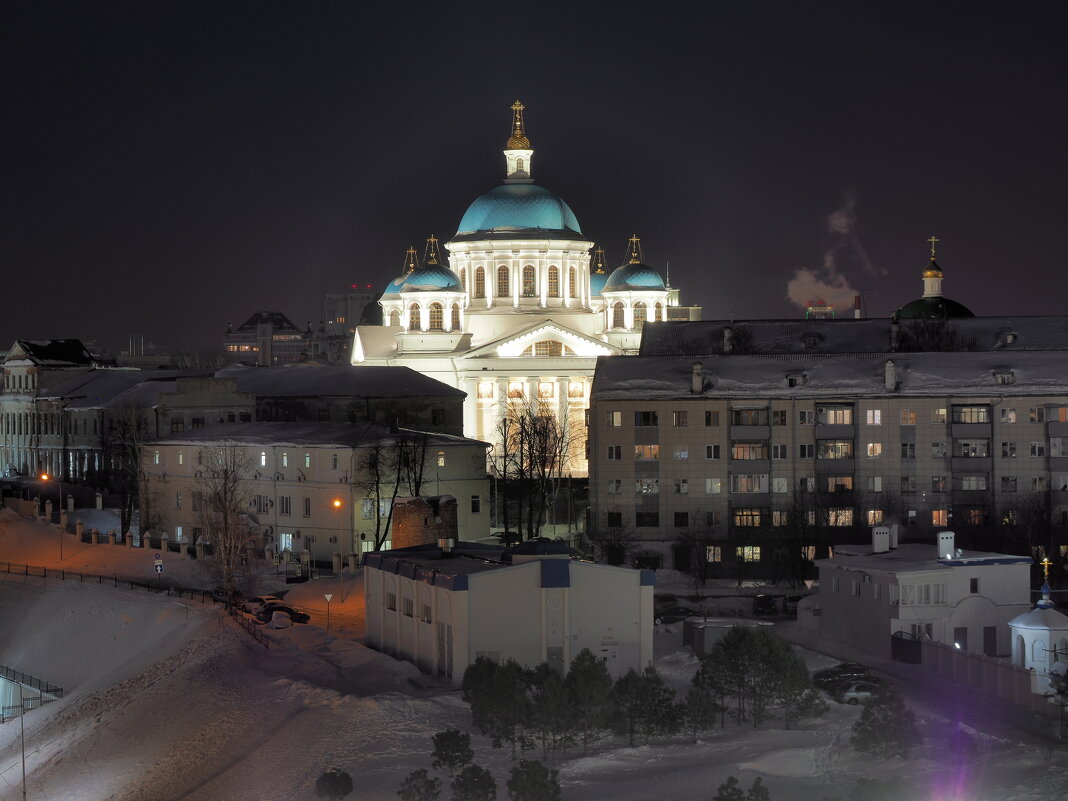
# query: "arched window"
{"type": "Point", "coordinates": [640, 314]}
{"type": "Point", "coordinates": [659, 313]}
{"type": "Point", "coordinates": [456, 317]}
{"type": "Point", "coordinates": [528, 281]}
{"type": "Point", "coordinates": [617, 315]}
{"type": "Point", "coordinates": [554, 282]}
{"type": "Point", "coordinates": [463, 278]}
{"type": "Point", "coordinates": [437, 317]}
{"type": "Point", "coordinates": [519, 165]}
{"type": "Point", "coordinates": [394, 317]}
{"type": "Point", "coordinates": [413, 317]}
{"type": "Point", "coordinates": [480, 283]}
{"type": "Point", "coordinates": [549, 347]}
{"type": "Point", "coordinates": [572, 283]}
{"type": "Point", "coordinates": [502, 281]}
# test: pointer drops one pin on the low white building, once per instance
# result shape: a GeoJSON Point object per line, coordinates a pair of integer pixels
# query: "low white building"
{"type": "Point", "coordinates": [1040, 639]}
{"type": "Point", "coordinates": [872, 593]}
{"type": "Point", "coordinates": [443, 608]}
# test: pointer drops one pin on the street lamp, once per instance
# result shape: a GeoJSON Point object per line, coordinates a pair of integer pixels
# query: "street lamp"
{"type": "Point", "coordinates": [59, 484]}
{"type": "Point", "coordinates": [328, 596]}
{"type": "Point", "coordinates": [340, 531]}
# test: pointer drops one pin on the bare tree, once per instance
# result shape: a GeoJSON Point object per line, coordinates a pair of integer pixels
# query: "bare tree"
{"type": "Point", "coordinates": [698, 538]}
{"type": "Point", "coordinates": [611, 538]}
{"type": "Point", "coordinates": [128, 429]}
{"type": "Point", "coordinates": [535, 448]}
{"type": "Point", "coordinates": [378, 477]}
{"type": "Point", "coordinates": [222, 474]}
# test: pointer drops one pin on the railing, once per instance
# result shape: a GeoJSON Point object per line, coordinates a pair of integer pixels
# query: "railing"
{"type": "Point", "coordinates": [30, 681]}
{"type": "Point", "coordinates": [157, 586]}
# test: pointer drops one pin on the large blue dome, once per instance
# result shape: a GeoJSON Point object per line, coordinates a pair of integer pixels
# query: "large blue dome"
{"type": "Point", "coordinates": [518, 206]}
{"type": "Point", "coordinates": [634, 276]}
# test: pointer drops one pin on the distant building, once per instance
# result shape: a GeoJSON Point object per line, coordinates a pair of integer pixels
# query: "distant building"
{"type": "Point", "coordinates": [873, 594]}
{"type": "Point", "coordinates": [296, 472]}
{"type": "Point", "coordinates": [443, 606]}
{"type": "Point", "coordinates": [267, 339]}
{"type": "Point", "coordinates": [751, 434]}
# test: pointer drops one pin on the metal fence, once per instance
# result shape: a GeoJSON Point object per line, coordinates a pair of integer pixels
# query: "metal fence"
{"type": "Point", "coordinates": [30, 681]}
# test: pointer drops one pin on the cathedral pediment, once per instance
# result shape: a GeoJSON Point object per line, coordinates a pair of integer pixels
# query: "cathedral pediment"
{"type": "Point", "coordinates": [545, 338]}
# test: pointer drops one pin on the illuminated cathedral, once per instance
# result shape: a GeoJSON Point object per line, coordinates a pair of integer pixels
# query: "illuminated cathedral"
{"type": "Point", "coordinates": [520, 307]}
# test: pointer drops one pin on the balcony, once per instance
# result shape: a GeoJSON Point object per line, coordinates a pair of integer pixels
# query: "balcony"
{"type": "Point", "coordinates": [833, 431]}
{"type": "Point", "coordinates": [971, 430]}
{"type": "Point", "coordinates": [750, 432]}
{"type": "Point", "coordinates": [842, 467]}
{"type": "Point", "coordinates": [970, 464]}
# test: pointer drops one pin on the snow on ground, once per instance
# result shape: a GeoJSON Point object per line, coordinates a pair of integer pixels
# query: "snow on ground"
{"type": "Point", "coordinates": [168, 700]}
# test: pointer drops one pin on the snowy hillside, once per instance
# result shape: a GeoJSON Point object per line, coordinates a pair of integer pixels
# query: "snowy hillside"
{"type": "Point", "coordinates": [168, 699]}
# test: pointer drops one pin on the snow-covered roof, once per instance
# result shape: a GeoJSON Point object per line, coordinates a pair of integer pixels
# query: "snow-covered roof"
{"type": "Point", "coordinates": [337, 380]}
{"type": "Point", "coordinates": [52, 352]}
{"type": "Point", "coordinates": [990, 373]}
{"type": "Point", "coordinates": [911, 558]}
{"type": "Point", "coordinates": [340, 435]}
{"type": "Point", "coordinates": [1041, 619]}
{"type": "Point", "coordinates": [846, 335]}
{"type": "Point", "coordinates": [101, 388]}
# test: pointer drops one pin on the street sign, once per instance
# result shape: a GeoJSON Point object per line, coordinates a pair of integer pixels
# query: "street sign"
{"type": "Point", "coordinates": [159, 567]}
{"type": "Point", "coordinates": [158, 557]}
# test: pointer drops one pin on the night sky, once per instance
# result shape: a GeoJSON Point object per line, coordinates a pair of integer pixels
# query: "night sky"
{"type": "Point", "coordinates": [171, 167]}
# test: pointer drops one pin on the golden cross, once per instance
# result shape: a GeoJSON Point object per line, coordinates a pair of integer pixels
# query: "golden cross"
{"type": "Point", "coordinates": [933, 240]}
{"type": "Point", "coordinates": [1045, 566]}
{"type": "Point", "coordinates": [634, 257]}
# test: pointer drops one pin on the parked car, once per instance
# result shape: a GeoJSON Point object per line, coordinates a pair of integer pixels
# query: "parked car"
{"type": "Point", "coordinates": [673, 614]}
{"type": "Point", "coordinates": [829, 678]}
{"type": "Point", "coordinates": [266, 612]}
{"type": "Point", "coordinates": [854, 692]}
{"type": "Point", "coordinates": [765, 605]}
{"type": "Point", "coordinates": [220, 595]}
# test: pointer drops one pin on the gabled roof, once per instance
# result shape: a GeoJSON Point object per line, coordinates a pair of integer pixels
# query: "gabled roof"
{"type": "Point", "coordinates": [337, 381]}
{"type": "Point", "coordinates": [275, 318]}
{"type": "Point", "coordinates": [520, 340]}
{"type": "Point", "coordinates": [52, 352]}
{"type": "Point", "coordinates": [110, 387]}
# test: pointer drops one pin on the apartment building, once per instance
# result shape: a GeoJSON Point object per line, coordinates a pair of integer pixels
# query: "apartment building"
{"type": "Point", "coordinates": [757, 453]}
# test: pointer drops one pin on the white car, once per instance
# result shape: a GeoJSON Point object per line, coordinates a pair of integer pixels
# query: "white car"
{"type": "Point", "coordinates": [854, 692]}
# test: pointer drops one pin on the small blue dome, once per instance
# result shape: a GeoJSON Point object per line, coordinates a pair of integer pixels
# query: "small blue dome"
{"type": "Point", "coordinates": [518, 206]}
{"type": "Point", "coordinates": [597, 282]}
{"type": "Point", "coordinates": [432, 278]}
{"type": "Point", "coordinates": [634, 276]}
{"type": "Point", "coordinates": [395, 285]}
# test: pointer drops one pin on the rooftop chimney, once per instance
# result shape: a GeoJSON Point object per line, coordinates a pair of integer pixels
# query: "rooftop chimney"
{"type": "Point", "coordinates": [890, 375]}
{"type": "Point", "coordinates": [728, 338]}
{"type": "Point", "coordinates": [697, 380]}
{"type": "Point", "coordinates": [856, 307]}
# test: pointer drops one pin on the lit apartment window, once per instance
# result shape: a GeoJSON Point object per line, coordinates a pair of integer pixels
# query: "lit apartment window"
{"type": "Point", "coordinates": [615, 419]}
{"type": "Point", "coordinates": [875, 450]}
{"type": "Point", "coordinates": [680, 452]}
{"type": "Point", "coordinates": [713, 486]}
{"type": "Point", "coordinates": [1037, 414]}
{"type": "Point", "coordinates": [939, 517]}
{"type": "Point", "coordinates": [646, 453]}
{"type": "Point", "coordinates": [908, 417]}
{"type": "Point", "coordinates": [647, 486]}
{"type": "Point", "coordinates": [748, 553]}
{"type": "Point", "coordinates": [938, 415]}
{"type": "Point", "coordinates": [874, 417]}
{"type": "Point", "coordinates": [1008, 416]}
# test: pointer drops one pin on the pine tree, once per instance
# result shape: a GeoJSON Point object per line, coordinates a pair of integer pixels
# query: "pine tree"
{"type": "Point", "coordinates": [497, 694]}
{"type": "Point", "coordinates": [758, 792]}
{"type": "Point", "coordinates": [532, 781]}
{"type": "Point", "coordinates": [553, 717]}
{"type": "Point", "coordinates": [419, 786]}
{"type": "Point", "coordinates": [452, 751]}
{"type": "Point", "coordinates": [589, 685]}
{"type": "Point", "coordinates": [474, 783]}
{"type": "Point", "coordinates": [333, 784]}
{"type": "Point", "coordinates": [886, 726]}
{"type": "Point", "coordinates": [729, 791]}
{"type": "Point", "coordinates": [699, 710]}
{"type": "Point", "coordinates": [642, 704]}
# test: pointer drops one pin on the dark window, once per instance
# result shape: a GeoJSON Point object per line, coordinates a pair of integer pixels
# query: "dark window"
{"type": "Point", "coordinates": [614, 519]}
{"type": "Point", "coordinates": [647, 519]}
{"type": "Point", "coordinates": [476, 504]}
{"type": "Point", "coordinates": [437, 416]}
{"type": "Point", "coordinates": [198, 422]}
{"type": "Point", "coordinates": [646, 419]}
{"type": "Point", "coordinates": [682, 519]}
{"type": "Point", "coordinates": [711, 418]}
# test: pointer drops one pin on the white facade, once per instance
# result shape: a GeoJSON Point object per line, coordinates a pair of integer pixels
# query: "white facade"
{"type": "Point", "coordinates": [966, 601]}
{"type": "Point", "coordinates": [443, 611]}
{"type": "Point", "coordinates": [517, 315]}
{"type": "Point", "coordinates": [306, 487]}
{"type": "Point", "coordinates": [1040, 640]}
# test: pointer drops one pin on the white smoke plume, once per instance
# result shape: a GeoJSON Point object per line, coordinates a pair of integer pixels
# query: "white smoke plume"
{"type": "Point", "coordinates": [844, 253]}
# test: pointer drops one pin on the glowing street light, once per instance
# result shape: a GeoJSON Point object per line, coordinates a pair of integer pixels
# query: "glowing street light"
{"type": "Point", "coordinates": [59, 484]}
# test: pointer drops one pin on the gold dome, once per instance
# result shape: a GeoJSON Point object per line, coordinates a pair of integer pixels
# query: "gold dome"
{"type": "Point", "coordinates": [518, 140]}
